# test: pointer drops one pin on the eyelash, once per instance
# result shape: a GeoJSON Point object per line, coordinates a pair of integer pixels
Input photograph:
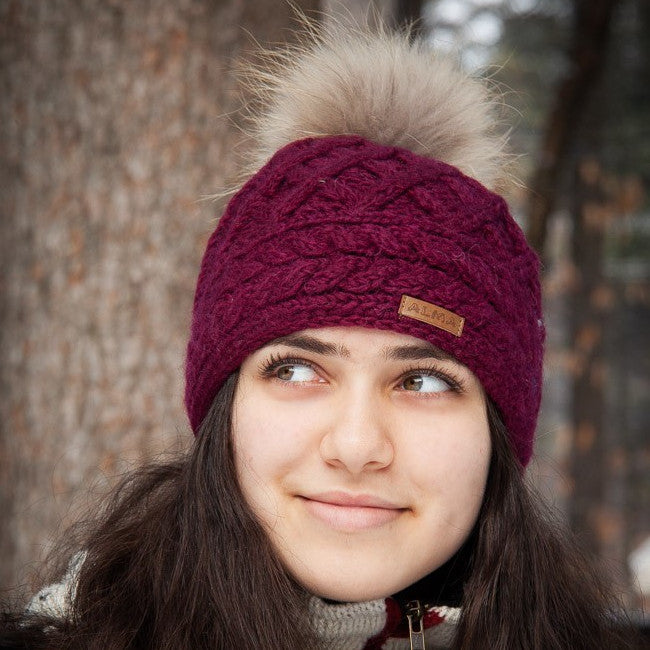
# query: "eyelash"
{"type": "Point", "coordinates": [455, 383]}
{"type": "Point", "coordinates": [270, 365]}
{"type": "Point", "coordinates": [275, 361]}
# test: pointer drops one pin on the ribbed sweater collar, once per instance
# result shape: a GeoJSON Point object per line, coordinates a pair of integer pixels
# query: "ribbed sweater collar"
{"type": "Point", "coordinates": [378, 624]}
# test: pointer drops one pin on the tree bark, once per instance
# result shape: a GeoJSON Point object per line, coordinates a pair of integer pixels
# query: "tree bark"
{"type": "Point", "coordinates": [601, 505]}
{"type": "Point", "coordinates": [116, 119]}
{"type": "Point", "coordinates": [587, 55]}
{"type": "Point", "coordinates": [592, 300]}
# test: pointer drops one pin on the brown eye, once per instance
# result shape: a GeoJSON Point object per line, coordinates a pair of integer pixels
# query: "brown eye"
{"type": "Point", "coordinates": [285, 373]}
{"type": "Point", "coordinates": [424, 383]}
{"type": "Point", "coordinates": [296, 373]}
{"type": "Point", "coordinates": [412, 383]}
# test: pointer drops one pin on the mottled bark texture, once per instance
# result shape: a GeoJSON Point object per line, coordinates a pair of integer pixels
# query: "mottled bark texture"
{"type": "Point", "coordinates": [116, 118]}
{"type": "Point", "coordinates": [587, 55]}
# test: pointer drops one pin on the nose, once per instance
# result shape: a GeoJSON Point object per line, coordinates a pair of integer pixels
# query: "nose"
{"type": "Point", "coordinates": [358, 437]}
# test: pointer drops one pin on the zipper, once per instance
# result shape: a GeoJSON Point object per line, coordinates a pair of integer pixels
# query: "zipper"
{"type": "Point", "coordinates": [414, 616]}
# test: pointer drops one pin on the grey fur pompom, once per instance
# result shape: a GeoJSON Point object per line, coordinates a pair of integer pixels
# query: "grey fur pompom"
{"type": "Point", "coordinates": [380, 85]}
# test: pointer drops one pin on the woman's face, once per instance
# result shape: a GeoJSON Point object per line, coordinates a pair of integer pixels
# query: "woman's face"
{"type": "Point", "coordinates": [363, 453]}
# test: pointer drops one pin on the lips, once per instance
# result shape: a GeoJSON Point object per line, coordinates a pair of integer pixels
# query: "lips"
{"type": "Point", "coordinates": [351, 513]}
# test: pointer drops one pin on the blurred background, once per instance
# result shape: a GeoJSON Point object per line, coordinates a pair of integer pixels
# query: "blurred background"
{"type": "Point", "coordinates": [118, 119]}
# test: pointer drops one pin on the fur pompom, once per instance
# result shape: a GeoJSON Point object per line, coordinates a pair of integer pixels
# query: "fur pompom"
{"type": "Point", "coordinates": [380, 85]}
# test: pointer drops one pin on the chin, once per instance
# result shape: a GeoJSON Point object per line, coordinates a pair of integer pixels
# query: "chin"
{"type": "Point", "coordinates": [353, 595]}
{"type": "Point", "coordinates": [351, 592]}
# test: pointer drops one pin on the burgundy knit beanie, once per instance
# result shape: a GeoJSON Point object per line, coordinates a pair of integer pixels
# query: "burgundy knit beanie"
{"type": "Point", "coordinates": [342, 231]}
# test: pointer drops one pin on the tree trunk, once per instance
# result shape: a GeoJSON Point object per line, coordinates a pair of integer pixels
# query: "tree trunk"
{"type": "Point", "coordinates": [587, 55]}
{"type": "Point", "coordinates": [588, 470]}
{"type": "Point", "coordinates": [116, 120]}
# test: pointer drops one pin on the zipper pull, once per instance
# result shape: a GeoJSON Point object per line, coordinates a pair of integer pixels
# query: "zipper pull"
{"type": "Point", "coordinates": [414, 615]}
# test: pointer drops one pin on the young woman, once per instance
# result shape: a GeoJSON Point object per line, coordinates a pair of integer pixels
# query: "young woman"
{"type": "Point", "coordinates": [363, 379]}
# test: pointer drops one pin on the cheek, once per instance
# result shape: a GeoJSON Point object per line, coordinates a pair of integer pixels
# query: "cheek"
{"type": "Point", "coordinates": [450, 462]}
{"type": "Point", "coordinates": [254, 453]}
{"type": "Point", "coordinates": [266, 441]}
{"type": "Point", "coordinates": [255, 460]}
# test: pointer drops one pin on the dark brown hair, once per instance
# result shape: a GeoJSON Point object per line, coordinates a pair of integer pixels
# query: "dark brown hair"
{"type": "Point", "coordinates": [178, 561]}
{"type": "Point", "coordinates": [530, 585]}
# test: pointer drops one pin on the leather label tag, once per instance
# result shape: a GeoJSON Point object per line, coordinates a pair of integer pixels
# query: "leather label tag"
{"type": "Point", "coordinates": [431, 314]}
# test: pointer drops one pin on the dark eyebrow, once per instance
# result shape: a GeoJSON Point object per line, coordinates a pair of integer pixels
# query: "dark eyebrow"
{"type": "Point", "coordinates": [417, 352]}
{"type": "Point", "coordinates": [396, 353]}
{"type": "Point", "coordinates": [312, 344]}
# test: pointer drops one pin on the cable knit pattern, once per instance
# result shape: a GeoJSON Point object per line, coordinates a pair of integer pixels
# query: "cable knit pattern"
{"type": "Point", "coordinates": [332, 231]}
